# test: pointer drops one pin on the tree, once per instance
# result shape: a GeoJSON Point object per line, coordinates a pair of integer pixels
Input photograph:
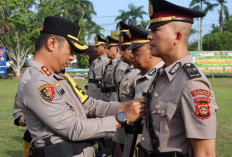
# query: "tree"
{"type": "Point", "coordinates": [131, 16]}
{"type": "Point", "coordinates": [227, 26]}
{"type": "Point", "coordinates": [218, 41]}
{"type": "Point", "coordinates": [17, 30]}
{"type": "Point", "coordinates": [144, 24]}
{"type": "Point", "coordinates": [222, 11]}
{"type": "Point", "coordinates": [198, 5]}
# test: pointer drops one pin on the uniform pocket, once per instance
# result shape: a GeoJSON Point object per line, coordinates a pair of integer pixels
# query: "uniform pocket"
{"type": "Point", "coordinates": [162, 115]}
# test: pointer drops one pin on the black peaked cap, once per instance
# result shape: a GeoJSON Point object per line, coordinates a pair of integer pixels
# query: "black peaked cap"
{"type": "Point", "coordinates": [162, 12]}
{"type": "Point", "coordinates": [64, 28]}
{"type": "Point", "coordinates": [112, 42]}
{"type": "Point", "coordinates": [138, 36]}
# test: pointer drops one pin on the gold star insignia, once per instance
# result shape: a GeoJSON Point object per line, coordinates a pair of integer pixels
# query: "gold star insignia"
{"type": "Point", "coordinates": [2, 59]}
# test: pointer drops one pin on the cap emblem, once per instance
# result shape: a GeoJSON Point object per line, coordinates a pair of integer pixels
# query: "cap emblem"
{"type": "Point", "coordinates": [150, 9]}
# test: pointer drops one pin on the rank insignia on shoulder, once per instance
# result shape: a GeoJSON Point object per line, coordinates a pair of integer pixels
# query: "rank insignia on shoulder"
{"type": "Point", "coordinates": [191, 71]}
{"type": "Point", "coordinates": [152, 71]}
{"type": "Point", "coordinates": [203, 108]}
{"type": "Point", "coordinates": [201, 92]}
{"type": "Point", "coordinates": [175, 68]}
{"type": "Point", "coordinates": [47, 92]}
{"type": "Point", "coordinates": [46, 71]}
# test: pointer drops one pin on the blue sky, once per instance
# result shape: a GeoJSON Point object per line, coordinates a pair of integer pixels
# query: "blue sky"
{"type": "Point", "coordinates": [107, 10]}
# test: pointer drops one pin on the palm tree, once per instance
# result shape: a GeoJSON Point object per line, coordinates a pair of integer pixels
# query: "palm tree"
{"type": "Point", "coordinates": [144, 24]}
{"type": "Point", "coordinates": [131, 16]}
{"type": "Point", "coordinates": [134, 13]}
{"type": "Point", "coordinates": [222, 11]}
{"type": "Point", "coordinates": [198, 5]}
{"type": "Point", "coordinates": [124, 16]}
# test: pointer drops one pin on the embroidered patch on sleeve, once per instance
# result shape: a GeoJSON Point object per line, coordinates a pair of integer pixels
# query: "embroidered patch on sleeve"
{"type": "Point", "coordinates": [191, 70]}
{"type": "Point", "coordinates": [203, 109]}
{"type": "Point", "coordinates": [200, 99]}
{"type": "Point", "coordinates": [46, 71]}
{"type": "Point", "coordinates": [47, 92]}
{"type": "Point", "coordinates": [201, 92]}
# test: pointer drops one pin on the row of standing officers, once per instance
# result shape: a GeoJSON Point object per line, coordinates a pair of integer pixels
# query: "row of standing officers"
{"type": "Point", "coordinates": [173, 107]}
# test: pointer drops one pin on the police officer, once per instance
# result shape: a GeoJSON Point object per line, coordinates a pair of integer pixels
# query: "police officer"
{"type": "Point", "coordinates": [109, 84]}
{"type": "Point", "coordinates": [149, 65]}
{"type": "Point", "coordinates": [97, 69]}
{"type": "Point", "coordinates": [55, 108]}
{"type": "Point", "coordinates": [182, 111]}
{"type": "Point", "coordinates": [125, 86]}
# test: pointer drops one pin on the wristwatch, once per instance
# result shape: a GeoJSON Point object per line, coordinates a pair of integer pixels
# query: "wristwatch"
{"type": "Point", "coordinates": [121, 117]}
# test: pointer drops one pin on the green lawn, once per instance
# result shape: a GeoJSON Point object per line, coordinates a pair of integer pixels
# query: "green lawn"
{"type": "Point", "coordinates": [11, 136]}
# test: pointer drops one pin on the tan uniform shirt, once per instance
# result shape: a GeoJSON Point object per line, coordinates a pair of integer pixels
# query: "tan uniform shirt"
{"type": "Point", "coordinates": [142, 84]}
{"type": "Point", "coordinates": [96, 72]}
{"type": "Point", "coordinates": [53, 109]}
{"type": "Point", "coordinates": [108, 78]}
{"type": "Point", "coordinates": [126, 88]}
{"type": "Point", "coordinates": [118, 74]}
{"type": "Point", "coordinates": [17, 112]}
{"type": "Point", "coordinates": [182, 107]}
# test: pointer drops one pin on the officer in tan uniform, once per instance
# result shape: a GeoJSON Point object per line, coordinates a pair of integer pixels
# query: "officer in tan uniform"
{"type": "Point", "coordinates": [55, 108]}
{"type": "Point", "coordinates": [181, 112]}
{"type": "Point", "coordinates": [148, 64]}
{"type": "Point", "coordinates": [97, 69]}
{"type": "Point", "coordinates": [109, 84]}
{"type": "Point", "coordinates": [125, 86]}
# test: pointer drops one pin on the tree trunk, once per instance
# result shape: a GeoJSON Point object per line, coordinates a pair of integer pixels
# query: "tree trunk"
{"type": "Point", "coordinates": [221, 17]}
{"type": "Point", "coordinates": [17, 71]}
{"type": "Point", "coordinates": [199, 36]}
{"type": "Point", "coordinates": [201, 33]}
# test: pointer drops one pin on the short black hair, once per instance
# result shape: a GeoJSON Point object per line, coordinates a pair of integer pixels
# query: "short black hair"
{"type": "Point", "coordinates": [43, 38]}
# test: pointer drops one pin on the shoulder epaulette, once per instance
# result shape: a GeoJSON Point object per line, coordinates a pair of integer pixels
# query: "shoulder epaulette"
{"type": "Point", "coordinates": [191, 71]}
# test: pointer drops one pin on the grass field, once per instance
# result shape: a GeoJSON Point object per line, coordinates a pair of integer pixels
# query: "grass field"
{"type": "Point", "coordinates": [11, 136]}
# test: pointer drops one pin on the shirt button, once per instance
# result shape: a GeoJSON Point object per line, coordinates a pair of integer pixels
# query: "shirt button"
{"type": "Point", "coordinates": [142, 139]}
{"type": "Point", "coordinates": [162, 112]}
{"type": "Point", "coordinates": [155, 95]}
{"type": "Point", "coordinates": [157, 106]}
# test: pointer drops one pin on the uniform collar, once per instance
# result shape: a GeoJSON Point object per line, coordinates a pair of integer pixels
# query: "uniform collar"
{"type": "Point", "coordinates": [175, 67]}
{"type": "Point", "coordinates": [150, 74]}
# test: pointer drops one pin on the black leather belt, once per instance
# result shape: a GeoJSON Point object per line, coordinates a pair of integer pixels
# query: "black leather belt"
{"type": "Point", "coordinates": [94, 81]}
{"type": "Point", "coordinates": [60, 149]}
{"type": "Point", "coordinates": [149, 153]}
{"type": "Point", "coordinates": [109, 89]}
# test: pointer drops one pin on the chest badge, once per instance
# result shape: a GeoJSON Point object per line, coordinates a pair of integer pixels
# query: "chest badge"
{"type": "Point", "coordinates": [57, 84]}
{"type": "Point", "coordinates": [47, 92]}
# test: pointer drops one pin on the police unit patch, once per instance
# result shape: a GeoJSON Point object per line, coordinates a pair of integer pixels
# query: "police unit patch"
{"type": "Point", "coordinates": [201, 92]}
{"type": "Point", "coordinates": [46, 71]}
{"type": "Point", "coordinates": [191, 70]}
{"type": "Point", "coordinates": [47, 92]}
{"type": "Point", "coordinates": [203, 110]}
{"type": "Point", "coordinates": [175, 68]}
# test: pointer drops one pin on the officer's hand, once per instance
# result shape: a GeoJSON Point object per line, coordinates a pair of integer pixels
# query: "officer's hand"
{"type": "Point", "coordinates": [134, 110]}
{"type": "Point", "coordinates": [22, 121]}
